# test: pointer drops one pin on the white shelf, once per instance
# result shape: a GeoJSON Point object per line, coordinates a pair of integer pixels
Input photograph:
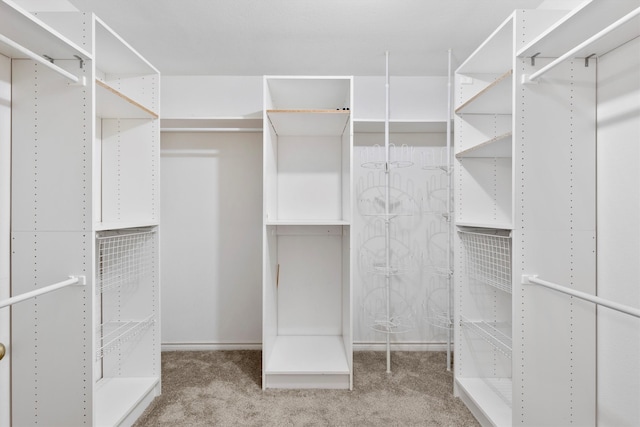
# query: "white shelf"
{"type": "Point", "coordinates": [490, 396]}
{"type": "Point", "coordinates": [111, 103]}
{"type": "Point", "coordinates": [103, 226]}
{"type": "Point", "coordinates": [23, 27]}
{"type": "Point", "coordinates": [116, 398]}
{"type": "Point", "coordinates": [309, 122]}
{"type": "Point", "coordinates": [399, 126]}
{"type": "Point", "coordinates": [495, 98]}
{"type": "Point", "coordinates": [308, 92]}
{"type": "Point", "coordinates": [580, 24]}
{"type": "Point", "coordinates": [500, 146]}
{"type": "Point", "coordinates": [482, 224]}
{"type": "Point", "coordinates": [494, 55]}
{"type": "Point", "coordinates": [307, 222]}
{"type": "Point", "coordinates": [115, 56]}
{"type": "Point", "coordinates": [323, 354]}
{"type": "Point", "coordinates": [211, 124]}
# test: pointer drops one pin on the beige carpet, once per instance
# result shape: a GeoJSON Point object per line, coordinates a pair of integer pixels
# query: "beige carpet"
{"type": "Point", "coordinates": [222, 388]}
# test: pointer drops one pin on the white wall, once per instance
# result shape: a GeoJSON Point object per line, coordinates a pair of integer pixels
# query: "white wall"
{"type": "Point", "coordinates": [211, 229]}
{"type": "Point", "coordinates": [619, 234]}
{"type": "Point", "coordinates": [412, 98]}
{"type": "Point", "coordinates": [211, 96]}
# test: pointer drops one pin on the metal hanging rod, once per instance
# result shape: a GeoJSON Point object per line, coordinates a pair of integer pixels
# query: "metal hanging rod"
{"type": "Point", "coordinates": [38, 58]}
{"type": "Point", "coordinates": [584, 44]}
{"type": "Point", "coordinates": [73, 280]}
{"type": "Point", "coordinates": [533, 279]}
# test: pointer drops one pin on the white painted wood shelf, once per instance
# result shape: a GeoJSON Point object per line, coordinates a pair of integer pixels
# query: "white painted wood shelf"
{"type": "Point", "coordinates": [488, 399]}
{"type": "Point", "coordinates": [307, 222]}
{"type": "Point", "coordinates": [320, 354]}
{"type": "Point", "coordinates": [495, 98]}
{"type": "Point", "coordinates": [117, 398]}
{"type": "Point", "coordinates": [113, 104]}
{"type": "Point", "coordinates": [500, 146]}
{"type": "Point", "coordinates": [211, 124]}
{"type": "Point", "coordinates": [399, 126]}
{"type": "Point", "coordinates": [485, 224]}
{"type": "Point", "coordinates": [308, 122]}
{"type": "Point", "coordinates": [19, 25]}
{"type": "Point", "coordinates": [582, 23]}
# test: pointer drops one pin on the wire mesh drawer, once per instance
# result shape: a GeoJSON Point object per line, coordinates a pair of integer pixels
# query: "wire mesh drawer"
{"type": "Point", "coordinates": [487, 256]}
{"type": "Point", "coordinates": [123, 257]}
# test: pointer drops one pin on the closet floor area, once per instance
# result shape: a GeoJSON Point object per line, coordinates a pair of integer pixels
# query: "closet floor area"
{"type": "Point", "coordinates": [223, 388]}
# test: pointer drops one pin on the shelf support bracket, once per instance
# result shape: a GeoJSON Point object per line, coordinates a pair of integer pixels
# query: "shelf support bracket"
{"type": "Point", "coordinates": [533, 59]}
{"type": "Point", "coordinates": [586, 59]}
{"type": "Point", "coordinates": [81, 61]}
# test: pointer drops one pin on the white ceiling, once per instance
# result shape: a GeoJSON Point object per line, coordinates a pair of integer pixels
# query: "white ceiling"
{"type": "Point", "coordinates": [301, 37]}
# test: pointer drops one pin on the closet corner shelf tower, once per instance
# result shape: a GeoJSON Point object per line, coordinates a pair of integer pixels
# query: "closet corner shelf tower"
{"type": "Point", "coordinates": [85, 201]}
{"type": "Point", "coordinates": [307, 326]}
{"type": "Point", "coordinates": [525, 130]}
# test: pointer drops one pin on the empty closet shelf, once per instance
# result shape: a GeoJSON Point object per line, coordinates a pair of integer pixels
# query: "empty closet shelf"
{"type": "Point", "coordinates": [309, 122]}
{"type": "Point", "coordinates": [317, 354]}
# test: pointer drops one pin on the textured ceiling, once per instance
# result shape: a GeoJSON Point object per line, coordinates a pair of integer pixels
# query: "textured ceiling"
{"type": "Point", "coordinates": [304, 37]}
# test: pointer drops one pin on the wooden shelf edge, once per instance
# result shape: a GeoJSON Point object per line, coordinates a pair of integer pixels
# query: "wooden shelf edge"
{"type": "Point", "coordinates": [482, 92]}
{"type": "Point", "coordinates": [126, 98]}
{"type": "Point", "coordinates": [314, 111]}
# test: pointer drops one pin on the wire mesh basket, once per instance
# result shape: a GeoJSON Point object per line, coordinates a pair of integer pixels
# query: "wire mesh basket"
{"type": "Point", "coordinates": [124, 257]}
{"type": "Point", "coordinates": [487, 256]}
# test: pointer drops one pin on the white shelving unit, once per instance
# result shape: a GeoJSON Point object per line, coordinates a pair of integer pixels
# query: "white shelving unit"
{"type": "Point", "coordinates": [307, 331]}
{"type": "Point", "coordinates": [87, 144]}
{"type": "Point", "coordinates": [525, 202]}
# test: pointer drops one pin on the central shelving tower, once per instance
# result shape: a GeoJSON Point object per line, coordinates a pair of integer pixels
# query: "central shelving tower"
{"type": "Point", "coordinates": [307, 327]}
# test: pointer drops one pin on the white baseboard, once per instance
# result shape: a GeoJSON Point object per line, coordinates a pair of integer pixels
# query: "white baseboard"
{"type": "Point", "coordinates": [357, 346]}
{"type": "Point", "coordinates": [205, 346]}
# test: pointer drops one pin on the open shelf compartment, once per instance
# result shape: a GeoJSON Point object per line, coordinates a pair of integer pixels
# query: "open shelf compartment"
{"type": "Point", "coordinates": [307, 331]}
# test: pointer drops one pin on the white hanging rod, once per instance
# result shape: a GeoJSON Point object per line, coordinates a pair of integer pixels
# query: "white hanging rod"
{"type": "Point", "coordinates": [73, 280]}
{"type": "Point", "coordinates": [584, 44]}
{"type": "Point", "coordinates": [38, 58]}
{"type": "Point", "coordinates": [533, 279]}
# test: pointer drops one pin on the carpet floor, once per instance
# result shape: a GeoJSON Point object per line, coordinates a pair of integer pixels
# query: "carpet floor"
{"type": "Point", "coordinates": [223, 388]}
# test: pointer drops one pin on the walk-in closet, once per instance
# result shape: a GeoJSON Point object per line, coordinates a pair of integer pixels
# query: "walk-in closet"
{"type": "Point", "coordinates": [319, 213]}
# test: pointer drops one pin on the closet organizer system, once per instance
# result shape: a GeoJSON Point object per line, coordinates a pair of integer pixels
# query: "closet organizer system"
{"type": "Point", "coordinates": [84, 200]}
{"type": "Point", "coordinates": [525, 208]}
